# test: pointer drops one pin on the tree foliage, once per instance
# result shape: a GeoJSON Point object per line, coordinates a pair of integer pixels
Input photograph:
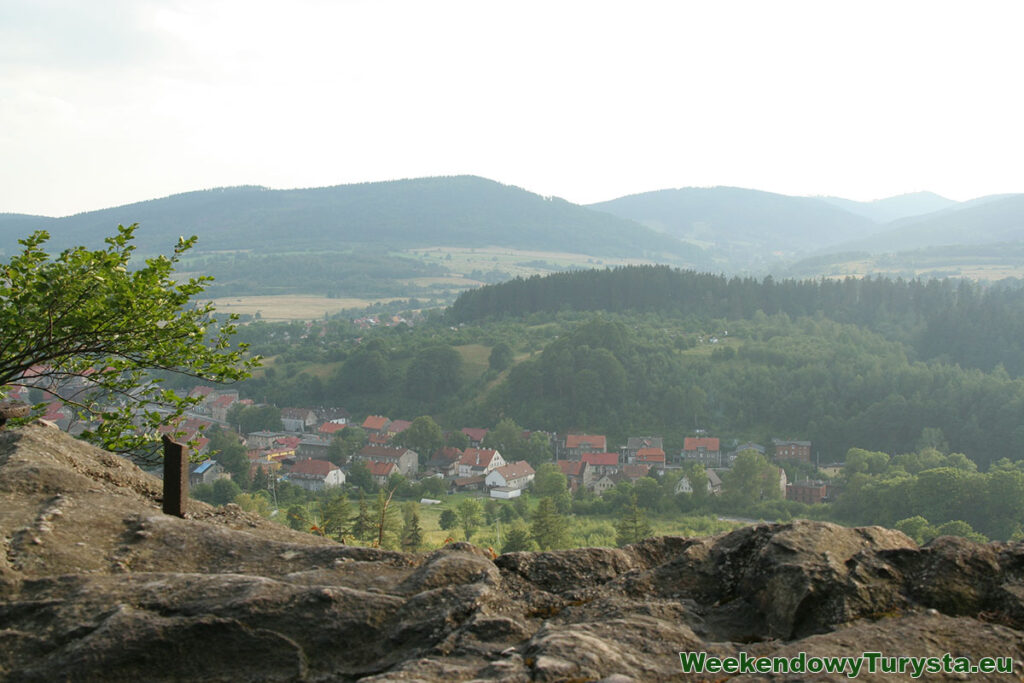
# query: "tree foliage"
{"type": "Point", "coordinates": [93, 331]}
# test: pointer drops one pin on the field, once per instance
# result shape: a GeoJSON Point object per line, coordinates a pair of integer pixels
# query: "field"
{"type": "Point", "coordinates": [290, 306]}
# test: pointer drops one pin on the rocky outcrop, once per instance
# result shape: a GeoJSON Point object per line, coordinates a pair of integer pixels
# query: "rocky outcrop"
{"type": "Point", "coordinates": [97, 584]}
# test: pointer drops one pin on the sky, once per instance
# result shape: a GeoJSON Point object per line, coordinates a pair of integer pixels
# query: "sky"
{"type": "Point", "coordinates": [108, 102]}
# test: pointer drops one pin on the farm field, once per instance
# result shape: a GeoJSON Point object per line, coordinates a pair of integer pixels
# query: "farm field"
{"type": "Point", "coordinates": [280, 307]}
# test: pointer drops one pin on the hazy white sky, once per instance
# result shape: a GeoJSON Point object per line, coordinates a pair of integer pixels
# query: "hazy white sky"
{"type": "Point", "coordinates": [107, 102]}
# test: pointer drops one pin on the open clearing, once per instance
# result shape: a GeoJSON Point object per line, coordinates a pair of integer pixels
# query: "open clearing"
{"type": "Point", "coordinates": [290, 306]}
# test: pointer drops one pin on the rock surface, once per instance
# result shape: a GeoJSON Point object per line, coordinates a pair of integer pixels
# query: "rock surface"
{"type": "Point", "coordinates": [96, 584]}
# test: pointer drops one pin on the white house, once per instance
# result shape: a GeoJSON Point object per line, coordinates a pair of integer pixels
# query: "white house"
{"type": "Point", "coordinates": [479, 461]}
{"type": "Point", "coordinates": [518, 475]}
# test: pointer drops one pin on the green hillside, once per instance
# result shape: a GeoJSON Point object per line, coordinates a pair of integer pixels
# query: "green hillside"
{"type": "Point", "coordinates": [461, 211]}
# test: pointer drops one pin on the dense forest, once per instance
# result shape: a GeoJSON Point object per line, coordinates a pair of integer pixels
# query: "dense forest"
{"type": "Point", "coordinates": [954, 321]}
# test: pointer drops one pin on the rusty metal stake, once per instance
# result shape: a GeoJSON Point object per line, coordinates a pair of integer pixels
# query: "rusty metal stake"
{"type": "Point", "coordinates": [175, 477]}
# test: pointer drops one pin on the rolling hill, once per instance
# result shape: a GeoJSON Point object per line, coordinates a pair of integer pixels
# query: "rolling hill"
{"type": "Point", "coordinates": [460, 211]}
{"type": "Point", "coordinates": [740, 225]}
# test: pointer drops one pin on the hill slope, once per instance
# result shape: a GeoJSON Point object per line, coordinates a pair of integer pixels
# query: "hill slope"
{"type": "Point", "coordinates": [742, 224]}
{"type": "Point", "coordinates": [895, 208]}
{"type": "Point", "coordinates": [981, 221]}
{"type": "Point", "coordinates": [460, 211]}
{"type": "Point", "coordinates": [97, 584]}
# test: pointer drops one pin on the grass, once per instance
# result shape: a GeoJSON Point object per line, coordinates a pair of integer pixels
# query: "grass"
{"type": "Point", "coordinates": [280, 307]}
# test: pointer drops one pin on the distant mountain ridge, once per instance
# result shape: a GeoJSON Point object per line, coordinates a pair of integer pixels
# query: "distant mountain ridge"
{"type": "Point", "coordinates": [894, 208]}
{"type": "Point", "coordinates": [741, 225]}
{"type": "Point", "coordinates": [463, 211]}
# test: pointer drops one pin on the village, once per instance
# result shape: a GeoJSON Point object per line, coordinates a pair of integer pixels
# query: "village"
{"type": "Point", "coordinates": [300, 454]}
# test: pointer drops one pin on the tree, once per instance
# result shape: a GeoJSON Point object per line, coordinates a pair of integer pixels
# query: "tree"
{"type": "Point", "coordinates": [363, 525]}
{"type": "Point", "coordinates": [412, 533]}
{"type": "Point", "coordinates": [386, 518]}
{"type": "Point", "coordinates": [423, 436]}
{"type": "Point", "coordinates": [548, 527]}
{"type": "Point", "coordinates": [448, 520]}
{"type": "Point", "coordinates": [337, 516]}
{"type": "Point", "coordinates": [518, 538]}
{"type": "Point", "coordinates": [230, 453]}
{"type": "Point", "coordinates": [298, 517]}
{"type": "Point", "coordinates": [249, 419]}
{"type": "Point", "coordinates": [360, 477]}
{"type": "Point", "coordinates": [501, 357]}
{"type": "Point", "coordinates": [549, 480]}
{"type": "Point", "coordinates": [471, 515]}
{"type": "Point", "coordinates": [633, 527]}
{"type": "Point", "coordinates": [96, 331]}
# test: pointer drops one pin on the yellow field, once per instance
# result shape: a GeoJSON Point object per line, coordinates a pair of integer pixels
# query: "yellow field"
{"type": "Point", "coordinates": [290, 306]}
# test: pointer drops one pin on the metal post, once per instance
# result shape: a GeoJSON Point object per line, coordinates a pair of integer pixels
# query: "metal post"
{"type": "Point", "coordinates": [175, 477]}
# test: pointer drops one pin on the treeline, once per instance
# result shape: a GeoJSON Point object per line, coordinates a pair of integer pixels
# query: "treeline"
{"type": "Point", "coordinates": [359, 273]}
{"type": "Point", "coordinates": [955, 321]}
{"type": "Point", "coordinates": [839, 386]}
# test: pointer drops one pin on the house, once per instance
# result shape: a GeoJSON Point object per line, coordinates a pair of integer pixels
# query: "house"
{"type": "Point", "coordinates": [604, 483]}
{"type": "Point", "coordinates": [397, 427]}
{"type": "Point", "coordinates": [313, 447]}
{"type": "Point", "coordinates": [376, 424]}
{"type": "Point", "coordinates": [479, 461]}
{"type": "Point", "coordinates": [316, 475]}
{"type": "Point", "coordinates": [474, 483]}
{"type": "Point", "coordinates": [651, 456]}
{"type": "Point", "coordinates": [407, 460]}
{"type": "Point", "coordinates": [714, 484]}
{"type": "Point", "coordinates": [220, 405]}
{"type": "Point", "coordinates": [298, 419]}
{"type": "Point", "coordinates": [577, 472]}
{"type": "Point", "coordinates": [339, 415]}
{"type": "Point", "coordinates": [263, 439]}
{"type": "Point", "coordinates": [792, 450]}
{"type": "Point", "coordinates": [635, 443]}
{"type": "Point", "coordinates": [330, 428]}
{"type": "Point", "coordinates": [505, 492]}
{"type": "Point", "coordinates": [445, 461]}
{"type": "Point", "coordinates": [381, 471]}
{"type": "Point", "coordinates": [206, 472]}
{"type": "Point", "coordinates": [808, 491]}
{"type": "Point", "coordinates": [475, 436]}
{"type": "Point", "coordinates": [599, 464]}
{"type": "Point", "coordinates": [703, 449]}
{"type": "Point", "coordinates": [578, 444]}
{"type": "Point", "coordinates": [634, 472]}
{"type": "Point", "coordinates": [518, 475]}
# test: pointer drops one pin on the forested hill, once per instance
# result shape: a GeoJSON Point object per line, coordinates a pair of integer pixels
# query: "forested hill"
{"type": "Point", "coordinates": [461, 211]}
{"type": "Point", "coordinates": [742, 220]}
{"type": "Point", "coordinates": [956, 321]}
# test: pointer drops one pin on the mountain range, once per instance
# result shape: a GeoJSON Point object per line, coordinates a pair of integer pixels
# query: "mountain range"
{"type": "Point", "coordinates": [723, 229]}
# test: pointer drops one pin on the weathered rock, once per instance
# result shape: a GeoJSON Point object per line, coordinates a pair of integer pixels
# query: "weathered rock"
{"type": "Point", "coordinates": [97, 584]}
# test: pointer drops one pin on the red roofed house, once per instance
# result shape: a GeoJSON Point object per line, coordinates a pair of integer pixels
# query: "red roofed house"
{"type": "Point", "coordinates": [376, 424]}
{"type": "Point", "coordinates": [704, 449]}
{"type": "Point", "coordinates": [220, 405]}
{"type": "Point", "coordinates": [397, 427]}
{"type": "Point", "coordinates": [578, 444]}
{"type": "Point", "coordinates": [634, 472]}
{"type": "Point", "coordinates": [446, 461]}
{"type": "Point", "coordinates": [381, 471]}
{"type": "Point", "coordinates": [316, 475]}
{"type": "Point", "coordinates": [651, 456]}
{"type": "Point", "coordinates": [479, 461]}
{"type": "Point", "coordinates": [407, 461]}
{"type": "Point", "coordinates": [515, 476]}
{"type": "Point", "coordinates": [599, 464]}
{"type": "Point", "coordinates": [328, 428]}
{"type": "Point", "coordinates": [476, 436]}
{"type": "Point", "coordinates": [577, 472]}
